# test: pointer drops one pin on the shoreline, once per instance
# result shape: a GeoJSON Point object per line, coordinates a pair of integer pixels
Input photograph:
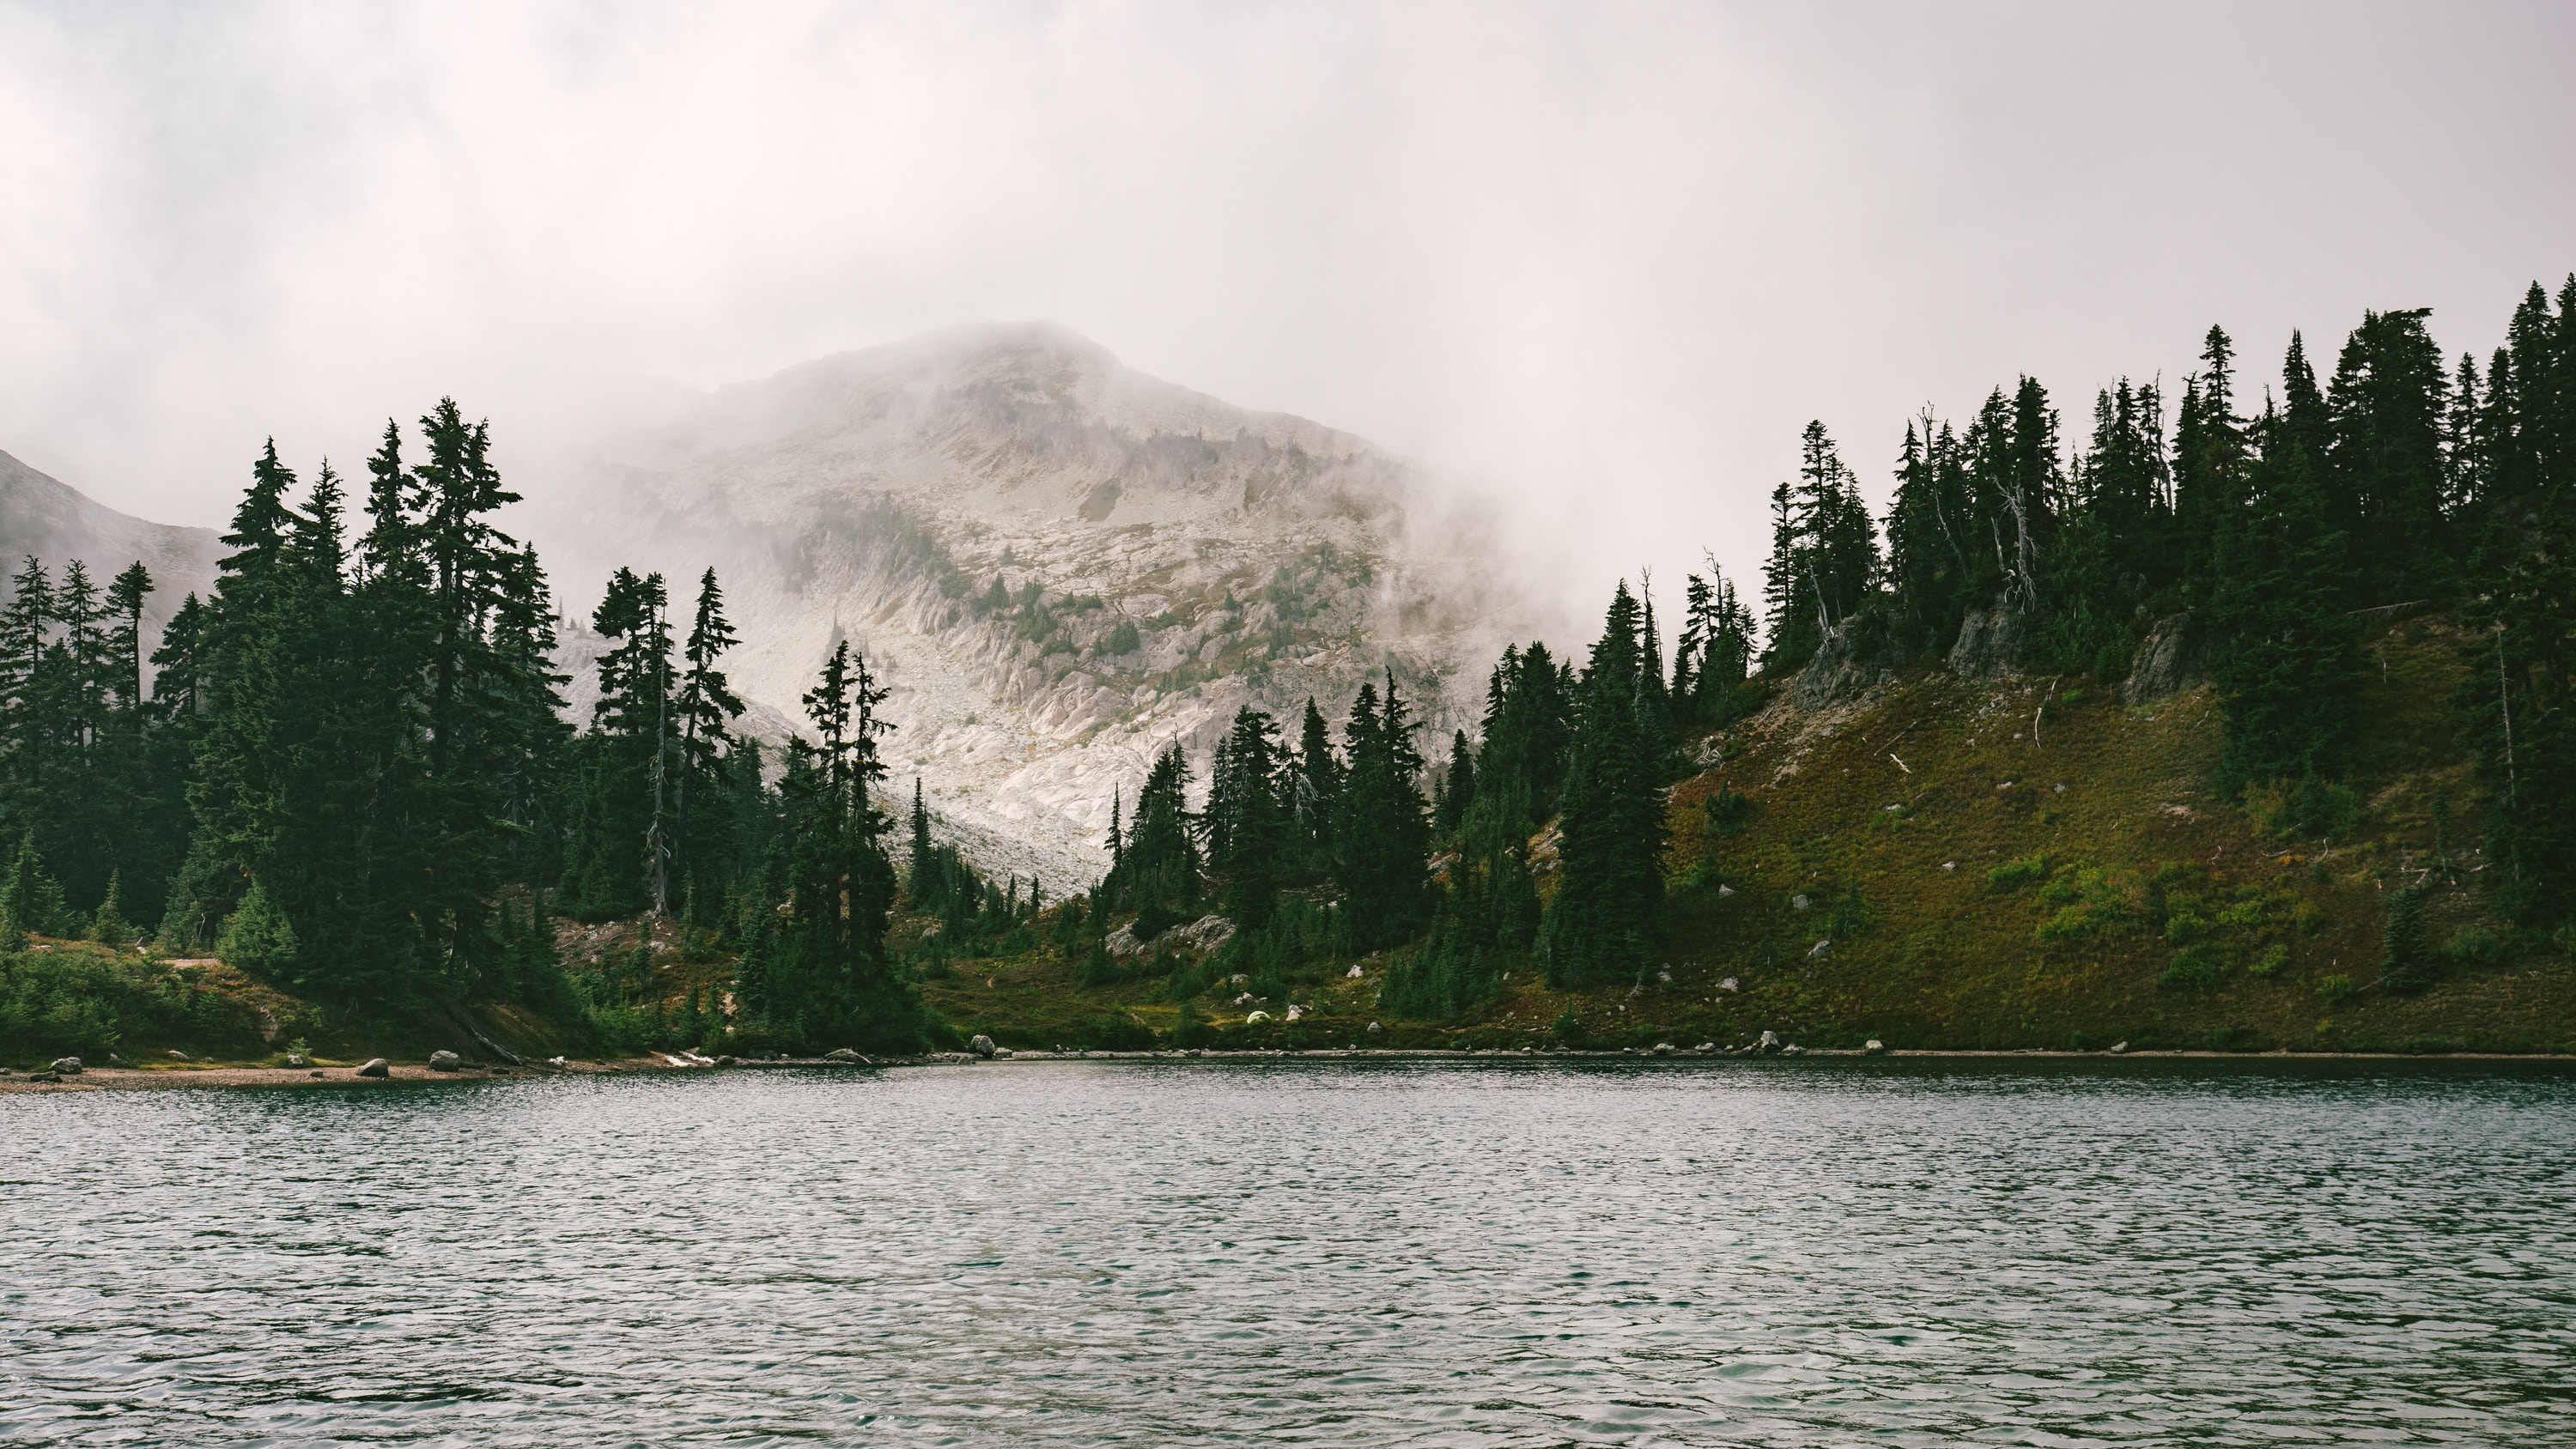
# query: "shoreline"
{"type": "Point", "coordinates": [95, 1079]}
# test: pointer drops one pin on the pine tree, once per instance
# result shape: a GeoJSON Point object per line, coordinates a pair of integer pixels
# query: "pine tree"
{"type": "Point", "coordinates": [2385, 417]}
{"type": "Point", "coordinates": [2517, 700]}
{"type": "Point", "coordinates": [2287, 676]}
{"type": "Point", "coordinates": [1602, 924]}
{"type": "Point", "coordinates": [706, 708]}
{"type": "Point", "coordinates": [1383, 838]}
{"type": "Point", "coordinates": [1458, 787]}
{"type": "Point", "coordinates": [1249, 818]}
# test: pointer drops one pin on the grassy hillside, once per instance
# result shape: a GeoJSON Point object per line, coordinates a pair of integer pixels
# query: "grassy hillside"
{"type": "Point", "coordinates": [2029, 864]}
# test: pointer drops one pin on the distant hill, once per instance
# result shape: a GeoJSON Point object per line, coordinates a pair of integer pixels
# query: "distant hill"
{"type": "Point", "coordinates": [57, 523]}
{"type": "Point", "coordinates": [1161, 557]}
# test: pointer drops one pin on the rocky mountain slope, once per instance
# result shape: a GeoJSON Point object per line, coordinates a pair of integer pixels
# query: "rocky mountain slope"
{"type": "Point", "coordinates": [56, 523]}
{"type": "Point", "coordinates": [1058, 565]}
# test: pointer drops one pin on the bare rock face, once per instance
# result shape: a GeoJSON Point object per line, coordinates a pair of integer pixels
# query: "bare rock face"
{"type": "Point", "coordinates": [1989, 644]}
{"type": "Point", "coordinates": [1058, 566]}
{"type": "Point", "coordinates": [2168, 662]}
{"type": "Point", "coordinates": [1835, 674]}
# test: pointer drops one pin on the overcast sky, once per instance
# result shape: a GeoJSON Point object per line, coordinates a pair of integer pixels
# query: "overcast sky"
{"type": "Point", "coordinates": [1600, 260]}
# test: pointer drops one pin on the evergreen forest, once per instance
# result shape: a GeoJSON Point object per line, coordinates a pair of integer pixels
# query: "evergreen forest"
{"type": "Point", "coordinates": [347, 776]}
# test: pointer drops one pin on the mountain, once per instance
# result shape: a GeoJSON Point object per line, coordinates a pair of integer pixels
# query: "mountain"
{"type": "Point", "coordinates": [1057, 564]}
{"type": "Point", "coordinates": [56, 523]}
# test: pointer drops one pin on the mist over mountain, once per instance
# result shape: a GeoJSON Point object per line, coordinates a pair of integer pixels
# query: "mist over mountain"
{"type": "Point", "coordinates": [1057, 564]}
{"type": "Point", "coordinates": [56, 523]}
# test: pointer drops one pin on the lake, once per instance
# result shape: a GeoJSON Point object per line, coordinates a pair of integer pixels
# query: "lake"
{"type": "Point", "coordinates": [1894, 1252]}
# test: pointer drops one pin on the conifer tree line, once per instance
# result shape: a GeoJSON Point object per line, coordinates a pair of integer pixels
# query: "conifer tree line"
{"type": "Point", "coordinates": [2277, 525]}
{"type": "Point", "coordinates": [2279, 517]}
{"type": "Point", "coordinates": [1434, 856]}
{"type": "Point", "coordinates": [347, 771]}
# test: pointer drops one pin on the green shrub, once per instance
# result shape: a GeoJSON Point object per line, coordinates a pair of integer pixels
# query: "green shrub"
{"type": "Point", "coordinates": [2071, 923]}
{"type": "Point", "coordinates": [2337, 989]}
{"type": "Point", "coordinates": [1727, 811]}
{"type": "Point", "coordinates": [2020, 872]}
{"type": "Point", "coordinates": [258, 940]}
{"type": "Point", "coordinates": [2475, 945]}
{"type": "Point", "coordinates": [1122, 640]}
{"type": "Point", "coordinates": [2269, 964]}
{"type": "Point", "coordinates": [2198, 967]}
{"type": "Point", "coordinates": [2312, 808]}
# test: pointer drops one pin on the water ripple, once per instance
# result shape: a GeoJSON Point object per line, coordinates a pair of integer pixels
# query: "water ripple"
{"type": "Point", "coordinates": [1893, 1253]}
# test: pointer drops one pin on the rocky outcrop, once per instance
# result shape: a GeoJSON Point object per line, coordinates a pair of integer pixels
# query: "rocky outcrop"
{"type": "Point", "coordinates": [1990, 642]}
{"type": "Point", "coordinates": [68, 1066]}
{"type": "Point", "coordinates": [1057, 565]}
{"type": "Point", "coordinates": [982, 1046]}
{"type": "Point", "coordinates": [2168, 662]}
{"type": "Point", "coordinates": [1837, 673]}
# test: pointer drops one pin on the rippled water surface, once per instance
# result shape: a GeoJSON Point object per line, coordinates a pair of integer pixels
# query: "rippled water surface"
{"type": "Point", "coordinates": [1883, 1252]}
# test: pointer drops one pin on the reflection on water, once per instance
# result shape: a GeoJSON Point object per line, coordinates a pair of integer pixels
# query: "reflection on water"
{"type": "Point", "coordinates": [1889, 1252]}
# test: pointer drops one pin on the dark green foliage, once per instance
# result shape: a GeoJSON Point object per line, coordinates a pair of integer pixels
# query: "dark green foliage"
{"type": "Point", "coordinates": [1382, 837]}
{"type": "Point", "coordinates": [2515, 493]}
{"type": "Point", "coordinates": [2287, 674]}
{"type": "Point", "coordinates": [1157, 860]}
{"type": "Point", "coordinates": [1441, 980]}
{"type": "Point", "coordinates": [2408, 958]}
{"type": "Point", "coordinates": [1601, 926]}
{"type": "Point", "coordinates": [1824, 560]}
{"type": "Point", "coordinates": [1249, 823]}
{"type": "Point", "coordinates": [1727, 811]}
{"type": "Point", "coordinates": [259, 940]}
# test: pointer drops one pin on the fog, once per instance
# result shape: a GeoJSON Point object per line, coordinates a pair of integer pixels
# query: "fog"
{"type": "Point", "coordinates": [1599, 262]}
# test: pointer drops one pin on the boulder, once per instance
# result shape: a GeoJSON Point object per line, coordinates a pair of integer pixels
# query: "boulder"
{"type": "Point", "coordinates": [444, 1060]}
{"type": "Point", "coordinates": [177, 1055]}
{"type": "Point", "coordinates": [376, 1067]}
{"type": "Point", "coordinates": [1990, 642]}
{"type": "Point", "coordinates": [2119, 1048]}
{"type": "Point", "coordinates": [841, 1054]}
{"type": "Point", "coordinates": [114, 1060]}
{"type": "Point", "coordinates": [1793, 1050]}
{"type": "Point", "coordinates": [1769, 1043]}
{"type": "Point", "coordinates": [1663, 1048]}
{"type": "Point", "coordinates": [2168, 661]}
{"type": "Point", "coordinates": [727, 1061]}
{"type": "Point", "coordinates": [982, 1046]}
{"type": "Point", "coordinates": [1836, 673]}
{"type": "Point", "coordinates": [1374, 1029]}
{"type": "Point", "coordinates": [1801, 902]}
{"type": "Point", "coordinates": [317, 1076]}
{"type": "Point", "coordinates": [1728, 985]}
{"type": "Point", "coordinates": [1704, 1048]}
{"type": "Point", "coordinates": [1818, 949]}
{"type": "Point", "coordinates": [1874, 1048]}
{"type": "Point", "coordinates": [1207, 933]}
{"type": "Point", "coordinates": [50, 1078]}
{"type": "Point", "coordinates": [1256, 1016]}
{"type": "Point", "coordinates": [1354, 973]}
{"type": "Point", "coordinates": [68, 1066]}
{"type": "Point", "coordinates": [294, 1060]}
